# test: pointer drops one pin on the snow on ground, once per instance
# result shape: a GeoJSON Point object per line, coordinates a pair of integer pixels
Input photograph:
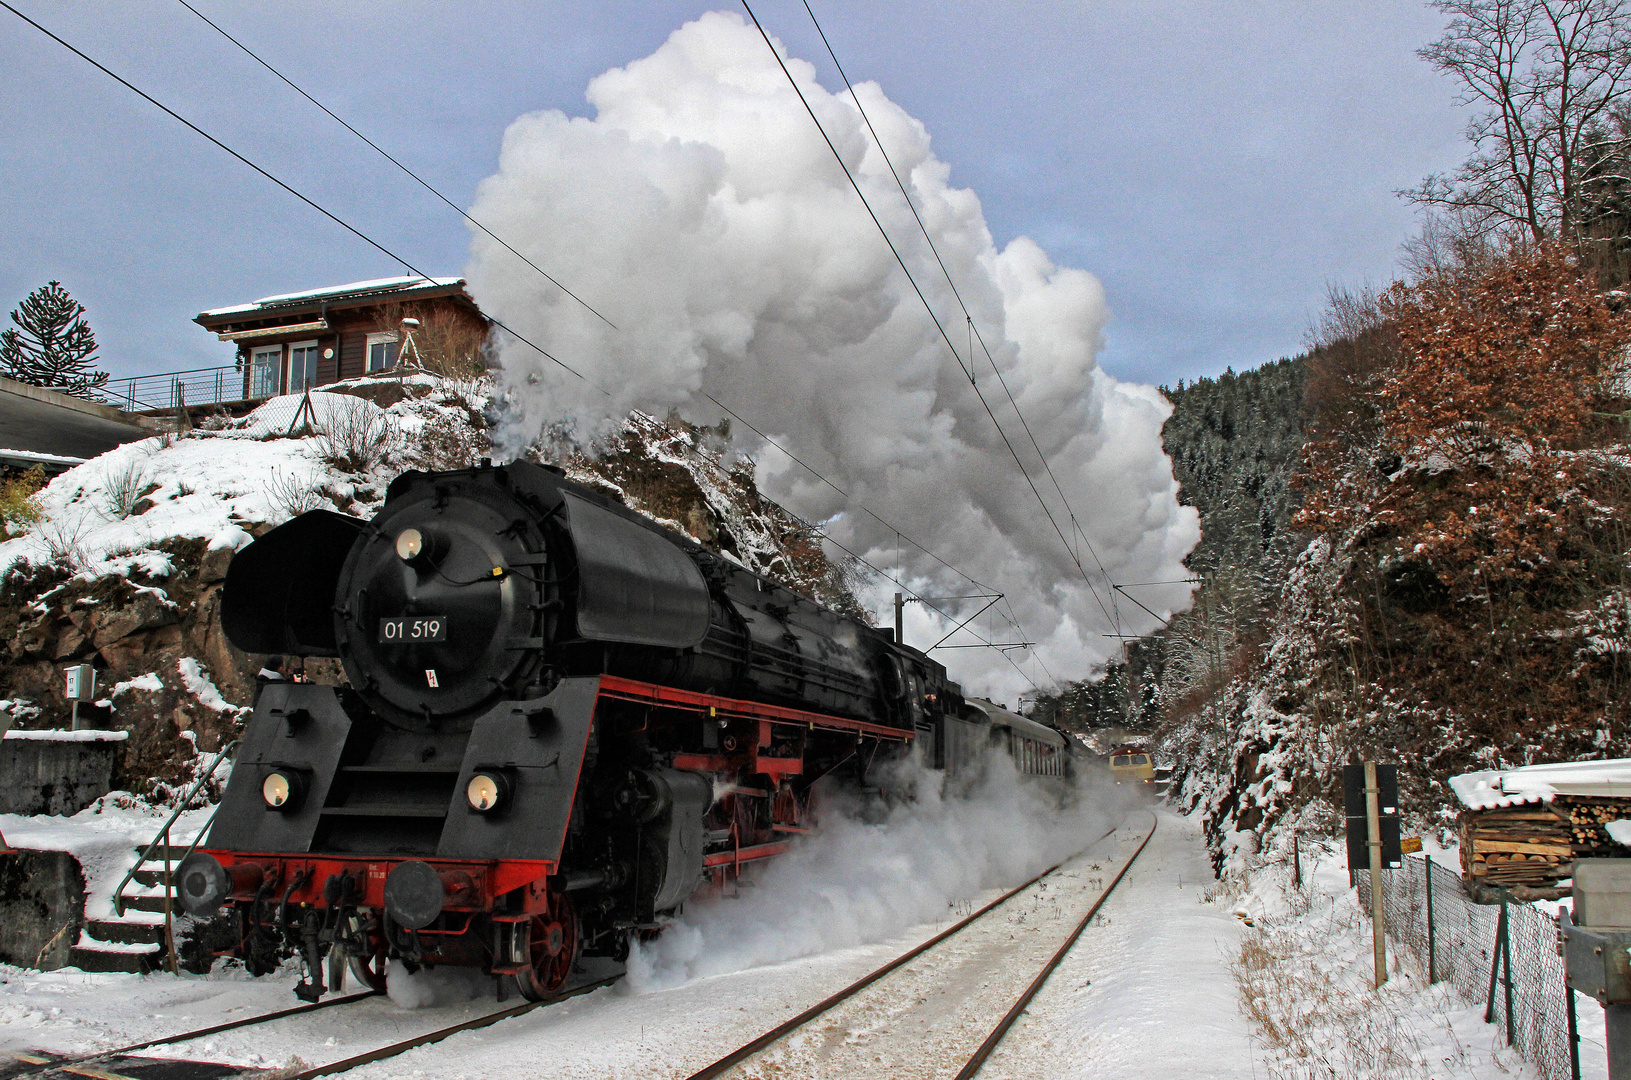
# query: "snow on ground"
{"type": "Point", "coordinates": [1305, 971]}
{"type": "Point", "coordinates": [1147, 990]}
{"type": "Point", "coordinates": [103, 838]}
{"type": "Point", "coordinates": [1154, 988]}
{"type": "Point", "coordinates": [214, 482]}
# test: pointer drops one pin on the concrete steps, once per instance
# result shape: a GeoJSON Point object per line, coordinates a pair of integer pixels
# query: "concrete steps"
{"type": "Point", "coordinates": [132, 942]}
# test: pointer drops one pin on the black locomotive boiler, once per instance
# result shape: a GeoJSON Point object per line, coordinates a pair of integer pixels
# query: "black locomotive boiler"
{"type": "Point", "coordinates": [562, 722]}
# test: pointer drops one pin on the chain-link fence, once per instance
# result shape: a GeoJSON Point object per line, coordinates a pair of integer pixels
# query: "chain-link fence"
{"type": "Point", "coordinates": [1504, 957]}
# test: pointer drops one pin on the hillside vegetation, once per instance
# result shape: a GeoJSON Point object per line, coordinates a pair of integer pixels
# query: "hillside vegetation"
{"type": "Point", "coordinates": [1453, 588]}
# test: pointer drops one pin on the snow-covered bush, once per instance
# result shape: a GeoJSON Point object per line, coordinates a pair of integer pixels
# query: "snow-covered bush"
{"type": "Point", "coordinates": [356, 437]}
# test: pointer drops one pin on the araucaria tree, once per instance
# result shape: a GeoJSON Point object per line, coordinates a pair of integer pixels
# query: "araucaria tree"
{"type": "Point", "coordinates": [51, 344]}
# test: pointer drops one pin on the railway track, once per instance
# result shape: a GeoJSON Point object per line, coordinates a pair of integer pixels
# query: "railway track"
{"type": "Point", "coordinates": [976, 1060]}
{"type": "Point", "coordinates": [107, 1064]}
{"type": "Point", "coordinates": [38, 1064]}
{"type": "Point", "coordinates": [116, 1063]}
{"type": "Point", "coordinates": [402, 1047]}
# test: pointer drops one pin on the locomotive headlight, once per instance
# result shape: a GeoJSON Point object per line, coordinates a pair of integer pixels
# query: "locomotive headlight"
{"type": "Point", "coordinates": [409, 544]}
{"type": "Point", "coordinates": [276, 789]}
{"type": "Point", "coordinates": [487, 791]}
{"type": "Point", "coordinates": [283, 789]}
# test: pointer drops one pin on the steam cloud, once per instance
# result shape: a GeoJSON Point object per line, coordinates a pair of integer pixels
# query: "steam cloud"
{"type": "Point", "coordinates": [856, 882]}
{"type": "Point", "coordinates": [701, 211]}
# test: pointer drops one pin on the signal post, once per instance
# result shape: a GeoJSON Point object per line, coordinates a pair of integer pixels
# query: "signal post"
{"type": "Point", "coordinates": [1371, 799]}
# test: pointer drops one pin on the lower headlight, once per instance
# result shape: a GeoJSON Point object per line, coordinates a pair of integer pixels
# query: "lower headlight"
{"type": "Point", "coordinates": [487, 791]}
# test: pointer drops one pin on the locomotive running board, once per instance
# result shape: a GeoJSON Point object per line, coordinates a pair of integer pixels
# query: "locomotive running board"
{"type": "Point", "coordinates": [613, 686]}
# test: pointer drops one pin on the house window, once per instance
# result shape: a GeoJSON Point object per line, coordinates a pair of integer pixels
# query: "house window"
{"type": "Point", "coordinates": [382, 351]}
{"type": "Point", "coordinates": [302, 366]}
{"type": "Point", "coordinates": [265, 370]}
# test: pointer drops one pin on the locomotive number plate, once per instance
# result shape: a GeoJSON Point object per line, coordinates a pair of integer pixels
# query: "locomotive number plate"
{"type": "Point", "coordinates": [411, 629]}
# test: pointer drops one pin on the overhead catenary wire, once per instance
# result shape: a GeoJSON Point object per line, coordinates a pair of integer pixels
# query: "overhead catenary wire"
{"type": "Point", "coordinates": [974, 333]}
{"type": "Point", "coordinates": [967, 369]}
{"type": "Point", "coordinates": [421, 181]}
{"type": "Point", "coordinates": [408, 265]}
{"type": "Point", "coordinates": [347, 226]}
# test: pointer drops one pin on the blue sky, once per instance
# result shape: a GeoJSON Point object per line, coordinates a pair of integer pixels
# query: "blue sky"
{"type": "Point", "coordinates": [1216, 165]}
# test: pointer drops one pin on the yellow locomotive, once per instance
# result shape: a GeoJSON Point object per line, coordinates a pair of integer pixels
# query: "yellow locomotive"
{"type": "Point", "coordinates": [1132, 765]}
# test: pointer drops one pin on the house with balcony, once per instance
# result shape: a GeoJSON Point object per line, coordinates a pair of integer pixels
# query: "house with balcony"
{"type": "Point", "coordinates": [295, 341]}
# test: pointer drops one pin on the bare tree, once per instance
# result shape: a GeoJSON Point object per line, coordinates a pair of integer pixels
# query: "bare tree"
{"type": "Point", "coordinates": [1550, 76]}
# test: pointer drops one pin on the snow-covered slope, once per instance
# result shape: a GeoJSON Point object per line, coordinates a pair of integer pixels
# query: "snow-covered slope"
{"type": "Point", "coordinates": [124, 567]}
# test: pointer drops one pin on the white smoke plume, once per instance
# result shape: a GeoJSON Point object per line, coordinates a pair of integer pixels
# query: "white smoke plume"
{"type": "Point", "coordinates": [700, 210]}
{"type": "Point", "coordinates": [859, 881]}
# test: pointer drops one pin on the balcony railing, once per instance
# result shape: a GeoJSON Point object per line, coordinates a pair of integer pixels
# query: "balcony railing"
{"type": "Point", "coordinates": [172, 389]}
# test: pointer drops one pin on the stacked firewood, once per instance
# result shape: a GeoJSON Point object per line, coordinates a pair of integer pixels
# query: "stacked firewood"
{"type": "Point", "coordinates": [1529, 849]}
{"type": "Point", "coordinates": [1521, 846]}
{"type": "Point", "coordinates": [1587, 818]}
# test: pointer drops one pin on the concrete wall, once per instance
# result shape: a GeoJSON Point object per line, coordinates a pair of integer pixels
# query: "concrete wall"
{"type": "Point", "coordinates": [40, 776]}
{"type": "Point", "coordinates": [42, 904]}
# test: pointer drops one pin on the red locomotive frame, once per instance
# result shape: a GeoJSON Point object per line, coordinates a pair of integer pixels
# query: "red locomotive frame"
{"type": "Point", "coordinates": [475, 887]}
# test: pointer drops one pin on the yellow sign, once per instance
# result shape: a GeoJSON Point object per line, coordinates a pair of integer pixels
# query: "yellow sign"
{"type": "Point", "coordinates": [1409, 845]}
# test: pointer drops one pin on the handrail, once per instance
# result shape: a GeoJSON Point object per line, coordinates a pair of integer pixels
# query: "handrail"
{"type": "Point", "coordinates": [164, 833]}
{"type": "Point", "coordinates": [178, 371]}
{"type": "Point", "coordinates": [175, 389]}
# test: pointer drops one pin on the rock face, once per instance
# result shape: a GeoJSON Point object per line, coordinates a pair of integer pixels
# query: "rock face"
{"type": "Point", "coordinates": [156, 641]}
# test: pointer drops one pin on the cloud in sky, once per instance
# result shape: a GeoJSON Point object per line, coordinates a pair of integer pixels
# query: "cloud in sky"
{"type": "Point", "coordinates": [701, 211]}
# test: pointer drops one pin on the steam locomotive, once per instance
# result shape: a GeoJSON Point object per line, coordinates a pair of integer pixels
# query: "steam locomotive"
{"type": "Point", "coordinates": [562, 722]}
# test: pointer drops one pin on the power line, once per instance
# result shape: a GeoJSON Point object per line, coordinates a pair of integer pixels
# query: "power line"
{"type": "Point", "coordinates": [353, 230]}
{"type": "Point", "coordinates": [417, 178]}
{"type": "Point", "coordinates": [425, 184]}
{"type": "Point", "coordinates": [973, 329]}
{"type": "Point", "coordinates": [966, 314]}
{"type": "Point", "coordinates": [497, 322]}
{"type": "Point", "coordinates": [967, 370]}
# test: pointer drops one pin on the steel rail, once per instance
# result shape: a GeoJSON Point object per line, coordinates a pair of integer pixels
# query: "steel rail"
{"type": "Point", "coordinates": [392, 1050]}
{"type": "Point", "coordinates": [978, 1060]}
{"type": "Point", "coordinates": [185, 1036]}
{"type": "Point", "coordinates": [740, 1054]}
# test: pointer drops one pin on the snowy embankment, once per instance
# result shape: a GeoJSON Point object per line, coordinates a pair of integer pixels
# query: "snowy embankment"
{"type": "Point", "coordinates": [1304, 972]}
{"type": "Point", "coordinates": [218, 481]}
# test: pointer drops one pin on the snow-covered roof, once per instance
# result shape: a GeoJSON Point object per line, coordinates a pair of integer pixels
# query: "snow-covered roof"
{"type": "Point", "coordinates": [375, 285]}
{"type": "Point", "coordinates": [1541, 783]}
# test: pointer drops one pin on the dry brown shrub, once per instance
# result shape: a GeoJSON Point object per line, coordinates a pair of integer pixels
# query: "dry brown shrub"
{"type": "Point", "coordinates": [448, 341]}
